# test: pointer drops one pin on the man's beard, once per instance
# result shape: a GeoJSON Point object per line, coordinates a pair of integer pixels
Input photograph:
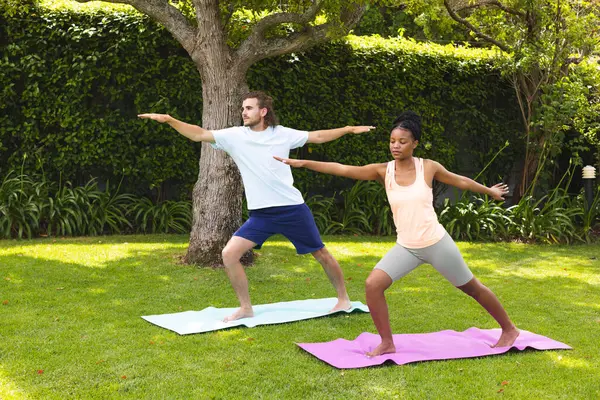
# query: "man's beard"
{"type": "Point", "coordinates": [251, 123]}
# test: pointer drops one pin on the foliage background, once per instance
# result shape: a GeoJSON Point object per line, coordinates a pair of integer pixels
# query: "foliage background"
{"type": "Point", "coordinates": [74, 81]}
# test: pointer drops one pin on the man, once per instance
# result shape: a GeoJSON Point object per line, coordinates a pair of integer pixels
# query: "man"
{"type": "Point", "coordinates": [275, 205]}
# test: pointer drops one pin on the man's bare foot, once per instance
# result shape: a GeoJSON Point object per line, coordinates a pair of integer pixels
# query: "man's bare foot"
{"type": "Point", "coordinates": [342, 305]}
{"type": "Point", "coordinates": [383, 348]}
{"type": "Point", "coordinates": [508, 337]}
{"type": "Point", "coordinates": [239, 314]}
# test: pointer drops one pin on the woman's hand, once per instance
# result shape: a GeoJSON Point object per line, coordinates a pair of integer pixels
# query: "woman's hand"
{"type": "Point", "coordinates": [499, 190]}
{"type": "Point", "coordinates": [291, 162]}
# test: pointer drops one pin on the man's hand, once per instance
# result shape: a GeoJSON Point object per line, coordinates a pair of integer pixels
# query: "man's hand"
{"type": "Point", "coordinates": [360, 129]}
{"type": "Point", "coordinates": [499, 190]}
{"type": "Point", "coordinates": [162, 118]}
{"type": "Point", "coordinates": [291, 162]}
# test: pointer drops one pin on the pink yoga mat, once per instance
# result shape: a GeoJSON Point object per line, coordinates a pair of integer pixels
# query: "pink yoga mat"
{"type": "Point", "coordinates": [443, 345]}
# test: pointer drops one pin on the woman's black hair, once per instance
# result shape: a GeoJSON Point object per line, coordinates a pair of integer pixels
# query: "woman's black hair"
{"type": "Point", "coordinates": [411, 121]}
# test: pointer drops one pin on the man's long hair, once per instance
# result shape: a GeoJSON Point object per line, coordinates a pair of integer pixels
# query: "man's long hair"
{"type": "Point", "coordinates": [264, 101]}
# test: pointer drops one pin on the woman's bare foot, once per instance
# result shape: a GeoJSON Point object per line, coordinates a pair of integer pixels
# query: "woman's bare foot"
{"type": "Point", "coordinates": [239, 314]}
{"type": "Point", "coordinates": [342, 305]}
{"type": "Point", "coordinates": [383, 348]}
{"type": "Point", "coordinates": [508, 337]}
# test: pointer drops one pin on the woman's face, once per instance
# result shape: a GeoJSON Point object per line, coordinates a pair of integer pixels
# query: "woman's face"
{"type": "Point", "coordinates": [402, 143]}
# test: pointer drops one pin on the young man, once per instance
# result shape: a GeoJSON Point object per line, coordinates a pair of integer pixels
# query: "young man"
{"type": "Point", "coordinates": [275, 205]}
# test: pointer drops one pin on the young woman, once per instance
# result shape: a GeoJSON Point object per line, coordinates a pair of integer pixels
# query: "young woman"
{"type": "Point", "coordinates": [421, 238]}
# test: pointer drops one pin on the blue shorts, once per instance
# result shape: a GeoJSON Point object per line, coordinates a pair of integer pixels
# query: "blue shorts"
{"type": "Point", "coordinates": [294, 222]}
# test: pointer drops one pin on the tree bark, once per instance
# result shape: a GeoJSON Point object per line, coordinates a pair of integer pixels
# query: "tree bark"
{"type": "Point", "coordinates": [217, 195]}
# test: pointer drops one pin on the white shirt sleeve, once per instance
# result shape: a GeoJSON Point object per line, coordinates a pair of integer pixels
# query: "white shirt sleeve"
{"type": "Point", "coordinates": [225, 138]}
{"type": "Point", "coordinates": [295, 137]}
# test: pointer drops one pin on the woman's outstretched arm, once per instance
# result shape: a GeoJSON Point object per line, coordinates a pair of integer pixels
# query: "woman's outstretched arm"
{"type": "Point", "coordinates": [370, 172]}
{"type": "Point", "coordinates": [441, 174]}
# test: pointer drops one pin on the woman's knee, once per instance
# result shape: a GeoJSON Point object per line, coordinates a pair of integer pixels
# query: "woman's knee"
{"type": "Point", "coordinates": [377, 282]}
{"type": "Point", "coordinates": [473, 288]}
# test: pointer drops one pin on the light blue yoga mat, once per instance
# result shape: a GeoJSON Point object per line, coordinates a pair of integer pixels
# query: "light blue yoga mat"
{"type": "Point", "coordinates": [211, 318]}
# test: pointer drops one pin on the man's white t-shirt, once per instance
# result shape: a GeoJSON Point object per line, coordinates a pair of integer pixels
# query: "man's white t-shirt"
{"type": "Point", "coordinates": [267, 182]}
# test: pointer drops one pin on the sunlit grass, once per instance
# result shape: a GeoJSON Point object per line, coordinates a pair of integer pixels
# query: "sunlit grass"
{"type": "Point", "coordinates": [70, 323]}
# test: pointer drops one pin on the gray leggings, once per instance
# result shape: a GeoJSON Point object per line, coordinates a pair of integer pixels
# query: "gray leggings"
{"type": "Point", "coordinates": [444, 256]}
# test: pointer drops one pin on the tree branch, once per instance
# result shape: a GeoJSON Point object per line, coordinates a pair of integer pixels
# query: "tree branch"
{"type": "Point", "coordinates": [477, 32]}
{"type": "Point", "coordinates": [493, 3]}
{"type": "Point", "coordinates": [559, 43]}
{"type": "Point", "coordinates": [230, 11]}
{"type": "Point", "coordinates": [295, 42]}
{"type": "Point", "coordinates": [256, 47]}
{"type": "Point", "coordinates": [575, 60]}
{"type": "Point", "coordinates": [280, 18]}
{"type": "Point", "coordinates": [167, 15]}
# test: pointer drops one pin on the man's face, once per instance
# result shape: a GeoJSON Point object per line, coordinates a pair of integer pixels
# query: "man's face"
{"type": "Point", "coordinates": [252, 114]}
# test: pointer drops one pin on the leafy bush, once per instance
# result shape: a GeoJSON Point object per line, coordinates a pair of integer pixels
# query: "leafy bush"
{"type": "Point", "coordinates": [556, 217]}
{"type": "Point", "coordinates": [165, 217]}
{"type": "Point", "coordinates": [20, 207]}
{"type": "Point", "coordinates": [479, 218]}
{"type": "Point", "coordinates": [32, 206]}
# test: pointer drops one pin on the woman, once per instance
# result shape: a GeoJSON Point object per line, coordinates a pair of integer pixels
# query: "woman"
{"type": "Point", "coordinates": [421, 238]}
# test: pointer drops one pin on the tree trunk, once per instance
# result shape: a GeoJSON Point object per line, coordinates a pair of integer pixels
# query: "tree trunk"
{"type": "Point", "coordinates": [217, 195]}
{"type": "Point", "coordinates": [527, 91]}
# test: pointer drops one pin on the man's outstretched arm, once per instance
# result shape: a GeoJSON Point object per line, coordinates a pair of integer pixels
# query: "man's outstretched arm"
{"type": "Point", "coordinates": [192, 132]}
{"type": "Point", "coordinates": [328, 135]}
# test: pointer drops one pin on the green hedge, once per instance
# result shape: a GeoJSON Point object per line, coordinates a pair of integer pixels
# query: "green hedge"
{"type": "Point", "coordinates": [73, 82]}
{"type": "Point", "coordinates": [73, 85]}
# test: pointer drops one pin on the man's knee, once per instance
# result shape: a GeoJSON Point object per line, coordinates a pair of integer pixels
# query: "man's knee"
{"type": "Point", "coordinates": [321, 254]}
{"type": "Point", "coordinates": [230, 256]}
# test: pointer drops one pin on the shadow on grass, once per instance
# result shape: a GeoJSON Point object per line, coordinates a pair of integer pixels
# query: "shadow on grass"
{"type": "Point", "coordinates": [88, 240]}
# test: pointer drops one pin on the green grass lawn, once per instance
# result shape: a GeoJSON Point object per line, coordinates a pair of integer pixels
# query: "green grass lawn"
{"type": "Point", "coordinates": [70, 323]}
